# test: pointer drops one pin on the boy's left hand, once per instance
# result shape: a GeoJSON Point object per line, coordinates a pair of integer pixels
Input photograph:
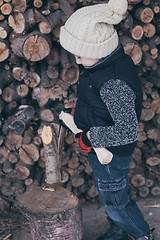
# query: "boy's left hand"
{"type": "Point", "coordinates": [84, 143]}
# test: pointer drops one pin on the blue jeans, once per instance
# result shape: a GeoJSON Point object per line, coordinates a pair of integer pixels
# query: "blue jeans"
{"type": "Point", "coordinates": [112, 183]}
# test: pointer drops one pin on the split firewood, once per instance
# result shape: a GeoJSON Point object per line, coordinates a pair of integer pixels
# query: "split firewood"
{"type": "Point", "coordinates": [4, 29]}
{"type": "Point", "coordinates": [53, 174]}
{"type": "Point", "coordinates": [22, 170]}
{"type": "Point", "coordinates": [29, 154]}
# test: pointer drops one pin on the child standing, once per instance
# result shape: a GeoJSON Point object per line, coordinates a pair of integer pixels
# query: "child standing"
{"type": "Point", "coordinates": [108, 110]}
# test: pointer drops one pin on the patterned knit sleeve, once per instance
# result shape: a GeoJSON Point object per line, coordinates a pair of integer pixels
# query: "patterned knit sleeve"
{"type": "Point", "coordinates": [120, 101]}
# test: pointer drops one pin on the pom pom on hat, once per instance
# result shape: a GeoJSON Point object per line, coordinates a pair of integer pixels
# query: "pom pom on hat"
{"type": "Point", "coordinates": [118, 6]}
{"type": "Point", "coordinates": [89, 32]}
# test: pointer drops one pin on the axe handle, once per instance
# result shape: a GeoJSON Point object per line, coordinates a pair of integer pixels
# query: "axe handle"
{"type": "Point", "coordinates": [104, 156]}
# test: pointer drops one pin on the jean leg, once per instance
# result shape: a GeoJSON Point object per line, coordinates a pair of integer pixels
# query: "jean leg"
{"type": "Point", "coordinates": [112, 184]}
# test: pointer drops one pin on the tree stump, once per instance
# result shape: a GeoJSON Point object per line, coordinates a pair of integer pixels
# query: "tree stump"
{"type": "Point", "coordinates": [53, 213]}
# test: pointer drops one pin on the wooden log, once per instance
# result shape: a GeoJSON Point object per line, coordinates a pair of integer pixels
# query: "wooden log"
{"type": "Point", "coordinates": [4, 29]}
{"type": "Point", "coordinates": [138, 180]}
{"type": "Point", "coordinates": [28, 136]}
{"type": "Point", "coordinates": [38, 3]}
{"type": "Point", "coordinates": [34, 46]}
{"type": "Point", "coordinates": [4, 53]}
{"type": "Point", "coordinates": [7, 167]}
{"type": "Point", "coordinates": [53, 57]}
{"type": "Point", "coordinates": [17, 22]}
{"type": "Point", "coordinates": [13, 157]}
{"type": "Point", "coordinates": [53, 174]}
{"type": "Point", "coordinates": [18, 73]}
{"type": "Point", "coordinates": [153, 161]}
{"type": "Point", "coordinates": [143, 191]}
{"type": "Point", "coordinates": [19, 5]}
{"type": "Point", "coordinates": [6, 8]}
{"type": "Point", "coordinates": [155, 191]}
{"type": "Point", "coordinates": [137, 32]}
{"type": "Point", "coordinates": [43, 95]}
{"type": "Point", "coordinates": [152, 46]}
{"type": "Point", "coordinates": [1, 105]}
{"type": "Point", "coordinates": [51, 20]}
{"type": "Point", "coordinates": [134, 1]}
{"type": "Point", "coordinates": [22, 90]}
{"type": "Point", "coordinates": [66, 9]}
{"type": "Point", "coordinates": [44, 214]}
{"type": "Point", "coordinates": [132, 48]}
{"type": "Point", "coordinates": [144, 14]}
{"type": "Point", "coordinates": [149, 30]}
{"type": "Point", "coordinates": [71, 74]}
{"type": "Point", "coordinates": [9, 94]}
{"type": "Point", "coordinates": [46, 115]}
{"type": "Point", "coordinates": [155, 6]}
{"type": "Point", "coordinates": [144, 46]}
{"type": "Point", "coordinates": [74, 162]}
{"type": "Point", "coordinates": [52, 73]}
{"type": "Point", "coordinates": [18, 188]}
{"type": "Point", "coordinates": [65, 61]}
{"type": "Point", "coordinates": [13, 141]}
{"type": "Point", "coordinates": [56, 31]}
{"type": "Point", "coordinates": [147, 59]}
{"type": "Point", "coordinates": [22, 170]}
{"type": "Point", "coordinates": [10, 108]}
{"type": "Point", "coordinates": [147, 114]}
{"type": "Point", "coordinates": [77, 181]}
{"type": "Point", "coordinates": [29, 154]}
{"type": "Point", "coordinates": [23, 115]}
{"type": "Point", "coordinates": [137, 155]}
{"type": "Point", "coordinates": [3, 154]}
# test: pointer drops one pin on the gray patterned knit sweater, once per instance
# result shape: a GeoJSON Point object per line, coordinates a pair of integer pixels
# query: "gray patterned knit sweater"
{"type": "Point", "coordinates": [120, 101]}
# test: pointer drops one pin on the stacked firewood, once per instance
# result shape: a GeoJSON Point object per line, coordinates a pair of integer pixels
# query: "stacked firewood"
{"type": "Point", "coordinates": [38, 78]}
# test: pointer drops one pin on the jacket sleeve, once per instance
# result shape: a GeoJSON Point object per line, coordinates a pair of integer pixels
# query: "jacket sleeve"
{"type": "Point", "coordinates": [120, 101]}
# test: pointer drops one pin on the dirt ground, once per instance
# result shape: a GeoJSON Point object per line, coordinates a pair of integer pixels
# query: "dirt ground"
{"type": "Point", "coordinates": [95, 223]}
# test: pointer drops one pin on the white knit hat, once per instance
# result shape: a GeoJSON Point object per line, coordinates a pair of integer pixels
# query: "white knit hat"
{"type": "Point", "coordinates": [89, 32]}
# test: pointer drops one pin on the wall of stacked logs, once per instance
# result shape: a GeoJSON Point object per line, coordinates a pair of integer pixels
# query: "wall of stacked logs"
{"type": "Point", "coordinates": [38, 77]}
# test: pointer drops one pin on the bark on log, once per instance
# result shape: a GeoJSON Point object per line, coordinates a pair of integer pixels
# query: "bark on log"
{"type": "Point", "coordinates": [34, 46]}
{"type": "Point", "coordinates": [44, 207]}
{"type": "Point", "coordinates": [53, 174]}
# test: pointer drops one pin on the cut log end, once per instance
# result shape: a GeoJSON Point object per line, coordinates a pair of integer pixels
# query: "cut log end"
{"type": "Point", "coordinates": [47, 135]}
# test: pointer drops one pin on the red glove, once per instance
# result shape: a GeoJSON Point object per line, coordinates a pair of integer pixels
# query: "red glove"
{"type": "Point", "coordinates": [84, 143]}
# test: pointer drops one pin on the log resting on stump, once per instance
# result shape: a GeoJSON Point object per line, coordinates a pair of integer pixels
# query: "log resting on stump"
{"type": "Point", "coordinates": [52, 211]}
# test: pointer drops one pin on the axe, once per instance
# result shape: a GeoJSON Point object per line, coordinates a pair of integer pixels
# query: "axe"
{"type": "Point", "coordinates": [104, 156]}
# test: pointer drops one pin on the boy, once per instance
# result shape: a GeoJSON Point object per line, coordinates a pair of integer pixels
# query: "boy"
{"type": "Point", "coordinates": [107, 111]}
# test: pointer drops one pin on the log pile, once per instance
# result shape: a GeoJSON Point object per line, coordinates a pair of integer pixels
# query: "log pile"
{"type": "Point", "coordinates": [38, 78]}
